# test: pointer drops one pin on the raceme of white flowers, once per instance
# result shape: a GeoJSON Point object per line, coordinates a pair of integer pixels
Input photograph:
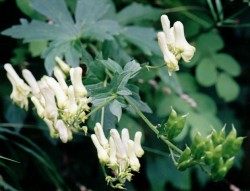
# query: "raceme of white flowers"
{"type": "Point", "coordinates": [173, 44]}
{"type": "Point", "coordinates": [119, 153]}
{"type": "Point", "coordinates": [63, 108]}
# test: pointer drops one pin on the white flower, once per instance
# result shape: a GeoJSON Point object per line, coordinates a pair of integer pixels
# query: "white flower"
{"type": "Point", "coordinates": [63, 131]}
{"type": "Point", "coordinates": [100, 135]}
{"type": "Point", "coordinates": [30, 79]}
{"type": "Point", "coordinates": [39, 108]}
{"type": "Point", "coordinates": [120, 149]}
{"type": "Point", "coordinates": [125, 138]}
{"type": "Point", "coordinates": [112, 153]}
{"type": "Point", "coordinates": [181, 44]}
{"type": "Point", "coordinates": [61, 79]}
{"type": "Point", "coordinates": [61, 98]}
{"type": "Point", "coordinates": [102, 154]}
{"type": "Point", "coordinates": [72, 103]}
{"type": "Point", "coordinates": [49, 97]}
{"type": "Point", "coordinates": [65, 67]}
{"type": "Point", "coordinates": [76, 79]}
{"type": "Point", "coordinates": [170, 41]}
{"type": "Point", "coordinates": [20, 89]}
{"type": "Point", "coordinates": [137, 146]}
{"type": "Point", "coordinates": [133, 160]}
{"type": "Point", "coordinates": [169, 57]}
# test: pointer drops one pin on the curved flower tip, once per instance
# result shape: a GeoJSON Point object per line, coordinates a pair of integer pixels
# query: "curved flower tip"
{"type": "Point", "coordinates": [102, 154]}
{"type": "Point", "coordinates": [65, 67]}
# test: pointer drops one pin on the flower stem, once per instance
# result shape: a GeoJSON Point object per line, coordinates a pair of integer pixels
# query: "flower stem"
{"type": "Point", "coordinates": [101, 105]}
{"type": "Point", "coordinates": [152, 127]}
{"type": "Point", "coordinates": [156, 67]}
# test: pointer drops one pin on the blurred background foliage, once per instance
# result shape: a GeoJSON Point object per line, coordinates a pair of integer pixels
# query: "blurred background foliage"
{"type": "Point", "coordinates": [213, 88]}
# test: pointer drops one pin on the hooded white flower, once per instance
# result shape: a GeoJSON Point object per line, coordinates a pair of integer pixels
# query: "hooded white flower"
{"type": "Point", "coordinates": [133, 160]}
{"type": "Point", "coordinates": [181, 44]}
{"type": "Point", "coordinates": [173, 44]}
{"type": "Point", "coordinates": [101, 136]}
{"type": "Point", "coordinates": [76, 79]}
{"type": "Point", "coordinates": [102, 154]}
{"type": "Point", "coordinates": [61, 97]}
{"type": "Point", "coordinates": [137, 146]}
{"type": "Point", "coordinates": [63, 131]}
{"type": "Point", "coordinates": [30, 79]}
{"type": "Point", "coordinates": [169, 57]}
{"type": "Point", "coordinates": [61, 79]}
{"type": "Point", "coordinates": [49, 97]}
{"type": "Point", "coordinates": [21, 90]}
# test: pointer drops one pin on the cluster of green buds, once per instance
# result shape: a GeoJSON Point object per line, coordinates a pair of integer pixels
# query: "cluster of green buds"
{"type": "Point", "coordinates": [216, 151]}
{"type": "Point", "coordinates": [119, 153]}
{"type": "Point", "coordinates": [173, 44]}
{"type": "Point", "coordinates": [63, 108]}
{"type": "Point", "coordinates": [173, 127]}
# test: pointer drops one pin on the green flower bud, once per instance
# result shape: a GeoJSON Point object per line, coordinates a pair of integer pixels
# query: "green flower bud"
{"type": "Point", "coordinates": [185, 164]}
{"type": "Point", "coordinates": [229, 163]}
{"type": "Point", "coordinates": [197, 140]}
{"type": "Point", "coordinates": [231, 144]}
{"type": "Point", "coordinates": [185, 155]}
{"type": "Point", "coordinates": [199, 151]}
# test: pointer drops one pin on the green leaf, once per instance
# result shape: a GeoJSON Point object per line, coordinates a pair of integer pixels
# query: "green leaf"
{"type": "Point", "coordinates": [206, 73]}
{"type": "Point", "coordinates": [6, 186]}
{"type": "Point", "coordinates": [209, 42]}
{"type": "Point", "coordinates": [227, 63]}
{"type": "Point", "coordinates": [111, 65]}
{"type": "Point", "coordinates": [205, 104]}
{"type": "Point", "coordinates": [119, 81]}
{"type": "Point", "coordinates": [56, 11]}
{"type": "Point", "coordinates": [132, 67]}
{"type": "Point", "coordinates": [116, 109]}
{"type": "Point", "coordinates": [142, 37]}
{"type": "Point", "coordinates": [90, 11]}
{"type": "Point", "coordinates": [36, 47]}
{"type": "Point", "coordinates": [187, 82]}
{"type": "Point", "coordinates": [227, 88]}
{"type": "Point", "coordinates": [24, 6]}
{"type": "Point", "coordinates": [136, 12]}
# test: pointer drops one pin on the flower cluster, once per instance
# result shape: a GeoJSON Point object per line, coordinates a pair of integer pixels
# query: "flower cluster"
{"type": "Point", "coordinates": [119, 153]}
{"type": "Point", "coordinates": [216, 151]}
{"type": "Point", "coordinates": [63, 108]}
{"type": "Point", "coordinates": [173, 44]}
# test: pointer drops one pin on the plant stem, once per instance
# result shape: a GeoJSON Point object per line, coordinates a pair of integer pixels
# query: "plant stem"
{"type": "Point", "coordinates": [152, 127]}
{"type": "Point", "coordinates": [156, 67]}
{"type": "Point", "coordinates": [101, 105]}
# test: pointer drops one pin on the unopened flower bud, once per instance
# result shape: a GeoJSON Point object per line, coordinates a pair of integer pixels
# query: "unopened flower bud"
{"type": "Point", "coordinates": [102, 154]}
{"type": "Point", "coordinates": [120, 150]}
{"type": "Point", "coordinates": [133, 160]}
{"type": "Point", "coordinates": [76, 79]}
{"type": "Point", "coordinates": [63, 131]}
{"type": "Point", "coordinates": [65, 67]}
{"type": "Point", "coordinates": [138, 149]}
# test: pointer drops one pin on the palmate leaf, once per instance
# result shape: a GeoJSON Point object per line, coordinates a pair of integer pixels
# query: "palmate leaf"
{"type": "Point", "coordinates": [63, 31]}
